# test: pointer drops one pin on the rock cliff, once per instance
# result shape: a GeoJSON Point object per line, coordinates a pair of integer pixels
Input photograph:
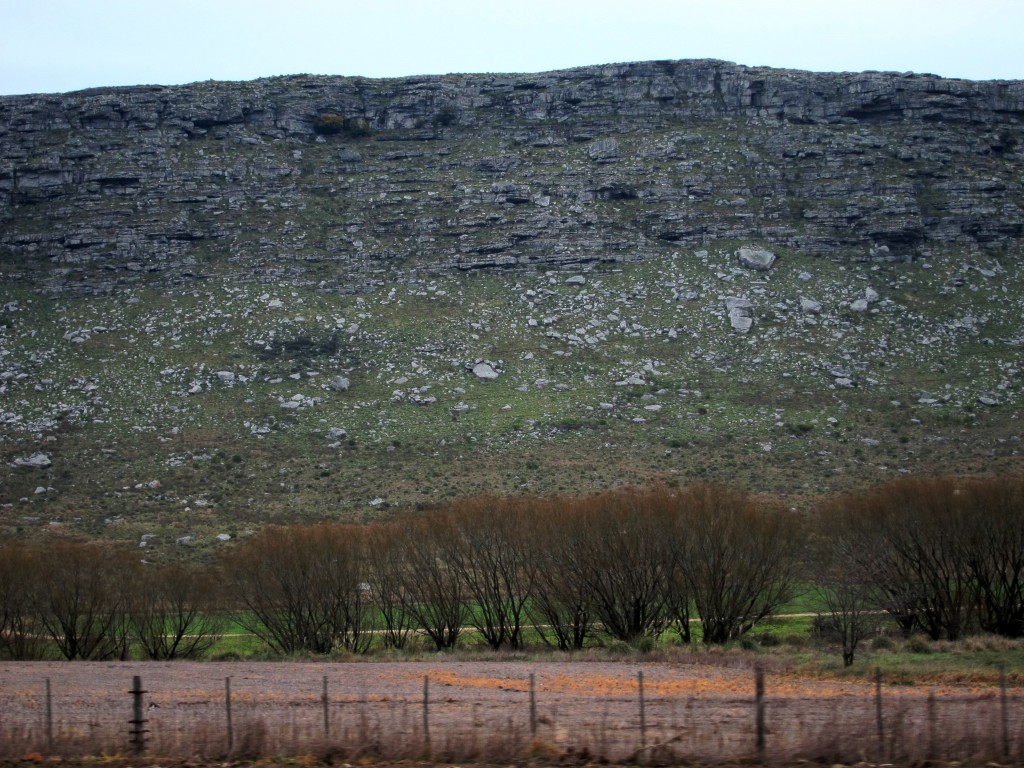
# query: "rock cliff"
{"type": "Point", "coordinates": [342, 181]}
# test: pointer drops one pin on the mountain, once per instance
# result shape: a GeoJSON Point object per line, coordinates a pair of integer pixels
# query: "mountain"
{"type": "Point", "coordinates": [224, 304]}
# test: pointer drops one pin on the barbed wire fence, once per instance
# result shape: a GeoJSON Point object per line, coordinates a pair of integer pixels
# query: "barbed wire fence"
{"type": "Point", "coordinates": [442, 721]}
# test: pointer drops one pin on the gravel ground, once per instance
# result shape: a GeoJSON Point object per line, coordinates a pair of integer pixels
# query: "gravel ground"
{"type": "Point", "coordinates": [481, 711]}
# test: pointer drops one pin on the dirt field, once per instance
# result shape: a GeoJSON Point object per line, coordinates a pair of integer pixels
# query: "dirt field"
{"type": "Point", "coordinates": [482, 710]}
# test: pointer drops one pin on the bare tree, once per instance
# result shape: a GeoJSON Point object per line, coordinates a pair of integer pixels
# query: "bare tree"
{"type": "Point", "coordinates": [304, 588]}
{"type": "Point", "coordinates": [908, 538]}
{"type": "Point", "coordinates": [20, 634]}
{"type": "Point", "coordinates": [433, 594]}
{"type": "Point", "coordinates": [82, 604]}
{"type": "Point", "coordinates": [173, 611]}
{"type": "Point", "coordinates": [992, 551]}
{"type": "Point", "coordinates": [926, 529]}
{"type": "Point", "coordinates": [863, 524]}
{"type": "Point", "coordinates": [387, 584]}
{"type": "Point", "coordinates": [623, 560]}
{"type": "Point", "coordinates": [742, 560]}
{"type": "Point", "coordinates": [850, 596]}
{"type": "Point", "coordinates": [491, 552]}
{"type": "Point", "coordinates": [560, 608]}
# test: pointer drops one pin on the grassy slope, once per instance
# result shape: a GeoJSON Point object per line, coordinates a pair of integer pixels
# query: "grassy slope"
{"type": "Point", "coordinates": [759, 410]}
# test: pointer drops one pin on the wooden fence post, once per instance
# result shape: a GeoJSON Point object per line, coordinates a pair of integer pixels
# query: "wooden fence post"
{"type": "Point", "coordinates": [426, 715]}
{"type": "Point", "coordinates": [1005, 710]}
{"type": "Point", "coordinates": [932, 747]}
{"type": "Point", "coordinates": [879, 722]}
{"type": "Point", "coordinates": [49, 718]}
{"type": "Point", "coordinates": [533, 707]}
{"type": "Point", "coordinates": [643, 712]}
{"type": "Point", "coordinates": [327, 710]}
{"type": "Point", "coordinates": [759, 708]}
{"type": "Point", "coordinates": [227, 711]}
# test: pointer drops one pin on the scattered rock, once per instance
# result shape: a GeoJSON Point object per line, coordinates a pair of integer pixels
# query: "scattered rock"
{"type": "Point", "coordinates": [740, 313]}
{"type": "Point", "coordinates": [485, 371]}
{"type": "Point", "coordinates": [38, 460]}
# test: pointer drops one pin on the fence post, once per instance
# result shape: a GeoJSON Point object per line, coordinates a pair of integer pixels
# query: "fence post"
{"type": "Point", "coordinates": [1005, 710]}
{"type": "Point", "coordinates": [879, 722]}
{"type": "Point", "coordinates": [227, 711]}
{"type": "Point", "coordinates": [327, 710]}
{"type": "Point", "coordinates": [138, 732]}
{"type": "Point", "coordinates": [426, 715]}
{"type": "Point", "coordinates": [533, 707]}
{"type": "Point", "coordinates": [932, 749]}
{"type": "Point", "coordinates": [759, 708]}
{"type": "Point", "coordinates": [49, 718]}
{"type": "Point", "coordinates": [643, 713]}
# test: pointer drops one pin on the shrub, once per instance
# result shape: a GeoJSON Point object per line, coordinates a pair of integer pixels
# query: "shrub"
{"type": "Point", "coordinates": [882, 643]}
{"type": "Point", "coordinates": [447, 116]}
{"type": "Point", "coordinates": [768, 640]}
{"type": "Point", "coordinates": [917, 644]}
{"type": "Point", "coordinates": [334, 125]}
{"type": "Point", "coordinates": [329, 125]}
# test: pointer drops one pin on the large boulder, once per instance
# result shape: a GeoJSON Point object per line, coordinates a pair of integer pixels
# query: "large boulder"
{"type": "Point", "coordinates": [752, 257]}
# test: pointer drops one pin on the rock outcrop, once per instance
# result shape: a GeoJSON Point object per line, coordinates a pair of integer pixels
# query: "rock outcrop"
{"type": "Point", "coordinates": [340, 180]}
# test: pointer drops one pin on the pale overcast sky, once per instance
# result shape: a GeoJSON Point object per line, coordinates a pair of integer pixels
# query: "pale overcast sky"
{"type": "Point", "coordinates": [63, 45]}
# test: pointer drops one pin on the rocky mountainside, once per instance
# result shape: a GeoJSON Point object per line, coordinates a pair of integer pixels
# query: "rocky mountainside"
{"type": "Point", "coordinates": [299, 295]}
{"type": "Point", "coordinates": [342, 177]}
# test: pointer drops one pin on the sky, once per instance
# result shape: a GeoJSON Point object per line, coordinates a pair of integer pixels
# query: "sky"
{"type": "Point", "coordinates": [51, 46]}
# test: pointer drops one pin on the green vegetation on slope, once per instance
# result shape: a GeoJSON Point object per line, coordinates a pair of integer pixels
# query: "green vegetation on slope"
{"type": "Point", "coordinates": [216, 409]}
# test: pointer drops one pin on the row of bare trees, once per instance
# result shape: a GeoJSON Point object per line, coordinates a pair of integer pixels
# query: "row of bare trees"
{"type": "Point", "coordinates": [627, 564]}
{"type": "Point", "coordinates": [94, 601]}
{"type": "Point", "coordinates": [936, 555]}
